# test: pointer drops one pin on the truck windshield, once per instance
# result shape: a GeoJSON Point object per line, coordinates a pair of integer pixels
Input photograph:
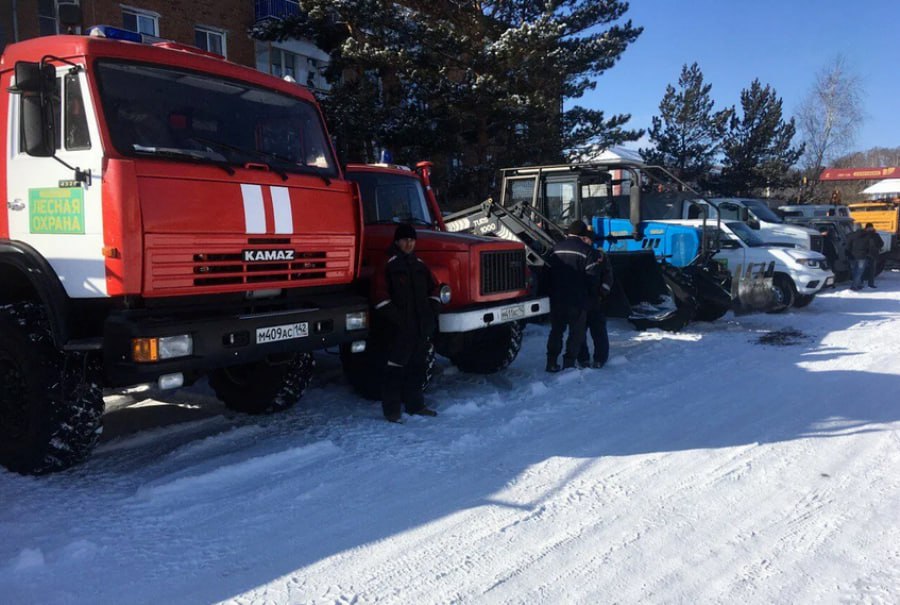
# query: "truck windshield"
{"type": "Point", "coordinates": [762, 212]}
{"type": "Point", "coordinates": [392, 198]}
{"type": "Point", "coordinates": [172, 113]}
{"type": "Point", "coordinates": [747, 235]}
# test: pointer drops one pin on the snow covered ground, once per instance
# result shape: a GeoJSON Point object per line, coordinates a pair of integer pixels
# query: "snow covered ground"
{"type": "Point", "coordinates": [699, 467]}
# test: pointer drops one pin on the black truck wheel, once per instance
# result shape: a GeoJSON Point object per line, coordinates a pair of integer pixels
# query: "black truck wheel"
{"type": "Point", "coordinates": [784, 291]}
{"type": "Point", "coordinates": [265, 386]}
{"type": "Point", "coordinates": [490, 349]}
{"type": "Point", "coordinates": [365, 371]}
{"type": "Point", "coordinates": [51, 403]}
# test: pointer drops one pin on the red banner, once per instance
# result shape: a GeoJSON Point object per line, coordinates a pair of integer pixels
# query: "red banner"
{"type": "Point", "coordinates": [859, 174]}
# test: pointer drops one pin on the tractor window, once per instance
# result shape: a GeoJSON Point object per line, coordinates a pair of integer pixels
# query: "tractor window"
{"type": "Point", "coordinates": [519, 190]}
{"type": "Point", "coordinates": [559, 201]}
{"type": "Point", "coordinates": [75, 125]}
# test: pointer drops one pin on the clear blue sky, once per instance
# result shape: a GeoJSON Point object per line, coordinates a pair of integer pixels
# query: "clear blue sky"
{"type": "Point", "coordinates": [784, 43]}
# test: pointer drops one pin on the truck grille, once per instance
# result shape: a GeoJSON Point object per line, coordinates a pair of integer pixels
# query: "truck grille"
{"type": "Point", "coordinates": [502, 271]}
{"type": "Point", "coordinates": [216, 263]}
{"type": "Point", "coordinates": [816, 243]}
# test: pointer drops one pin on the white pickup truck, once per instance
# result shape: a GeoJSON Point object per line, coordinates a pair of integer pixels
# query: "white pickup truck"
{"type": "Point", "coordinates": [799, 274]}
{"type": "Point", "coordinates": [770, 227]}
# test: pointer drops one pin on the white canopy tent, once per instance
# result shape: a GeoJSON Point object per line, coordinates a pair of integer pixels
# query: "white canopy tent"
{"type": "Point", "coordinates": [885, 187]}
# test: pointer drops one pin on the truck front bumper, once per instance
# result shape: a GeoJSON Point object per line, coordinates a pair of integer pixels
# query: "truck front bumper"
{"type": "Point", "coordinates": [483, 317]}
{"type": "Point", "coordinates": [225, 339]}
{"type": "Point", "coordinates": [810, 282]}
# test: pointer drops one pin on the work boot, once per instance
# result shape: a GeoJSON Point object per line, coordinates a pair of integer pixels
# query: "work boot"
{"type": "Point", "coordinates": [568, 363]}
{"type": "Point", "coordinates": [552, 366]}
{"type": "Point", "coordinates": [584, 363]}
{"type": "Point", "coordinates": [596, 365]}
{"type": "Point", "coordinates": [424, 411]}
{"type": "Point", "coordinates": [393, 417]}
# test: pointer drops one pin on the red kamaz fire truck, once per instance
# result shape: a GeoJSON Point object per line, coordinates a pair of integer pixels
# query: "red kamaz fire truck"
{"type": "Point", "coordinates": [486, 290]}
{"type": "Point", "coordinates": [168, 215]}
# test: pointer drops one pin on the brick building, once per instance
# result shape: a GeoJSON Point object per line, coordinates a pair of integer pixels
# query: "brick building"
{"type": "Point", "coordinates": [219, 26]}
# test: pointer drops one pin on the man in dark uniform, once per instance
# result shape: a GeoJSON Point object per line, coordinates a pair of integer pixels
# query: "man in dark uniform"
{"type": "Point", "coordinates": [405, 318]}
{"type": "Point", "coordinates": [864, 247]}
{"type": "Point", "coordinates": [596, 314]}
{"type": "Point", "coordinates": [574, 271]}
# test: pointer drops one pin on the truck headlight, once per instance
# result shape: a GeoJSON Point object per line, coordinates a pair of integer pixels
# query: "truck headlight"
{"type": "Point", "coordinates": [444, 294]}
{"type": "Point", "coordinates": [176, 346]}
{"type": "Point", "coordinates": [146, 350]}
{"type": "Point", "coordinates": [809, 262]}
{"type": "Point", "coordinates": [356, 321]}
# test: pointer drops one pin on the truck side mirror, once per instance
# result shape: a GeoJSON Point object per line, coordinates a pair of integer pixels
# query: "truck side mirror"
{"type": "Point", "coordinates": [753, 223]}
{"type": "Point", "coordinates": [35, 82]}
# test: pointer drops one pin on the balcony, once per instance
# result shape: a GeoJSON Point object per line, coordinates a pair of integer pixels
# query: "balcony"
{"type": "Point", "coordinates": [276, 9]}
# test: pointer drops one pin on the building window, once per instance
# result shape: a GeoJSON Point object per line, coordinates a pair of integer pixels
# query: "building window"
{"type": "Point", "coordinates": [210, 39]}
{"type": "Point", "coordinates": [283, 63]}
{"type": "Point", "coordinates": [304, 70]}
{"type": "Point", "coordinates": [140, 21]}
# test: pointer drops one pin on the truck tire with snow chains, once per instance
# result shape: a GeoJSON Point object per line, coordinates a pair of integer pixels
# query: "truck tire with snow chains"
{"type": "Point", "coordinates": [365, 371]}
{"type": "Point", "coordinates": [51, 402]}
{"type": "Point", "coordinates": [263, 387]}
{"type": "Point", "coordinates": [490, 349]}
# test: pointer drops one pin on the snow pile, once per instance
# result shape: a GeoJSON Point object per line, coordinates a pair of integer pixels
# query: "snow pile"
{"type": "Point", "coordinates": [750, 460]}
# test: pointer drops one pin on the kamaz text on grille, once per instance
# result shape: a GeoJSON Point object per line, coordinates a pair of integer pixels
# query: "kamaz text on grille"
{"type": "Point", "coordinates": [257, 256]}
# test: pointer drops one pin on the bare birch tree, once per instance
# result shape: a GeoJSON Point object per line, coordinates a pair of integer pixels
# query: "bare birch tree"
{"type": "Point", "coordinates": [828, 119]}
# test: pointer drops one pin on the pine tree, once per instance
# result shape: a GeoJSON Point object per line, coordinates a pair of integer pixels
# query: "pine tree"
{"type": "Point", "coordinates": [757, 147]}
{"type": "Point", "coordinates": [687, 134]}
{"type": "Point", "coordinates": [477, 84]}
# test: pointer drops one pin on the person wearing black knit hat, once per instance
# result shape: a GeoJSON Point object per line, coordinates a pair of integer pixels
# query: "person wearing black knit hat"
{"type": "Point", "coordinates": [405, 231]}
{"type": "Point", "coordinates": [405, 318]}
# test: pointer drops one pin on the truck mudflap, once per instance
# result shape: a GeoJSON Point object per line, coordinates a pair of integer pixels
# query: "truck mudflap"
{"type": "Point", "coordinates": [752, 289]}
{"type": "Point", "coordinates": [227, 337]}
{"type": "Point", "coordinates": [483, 317]}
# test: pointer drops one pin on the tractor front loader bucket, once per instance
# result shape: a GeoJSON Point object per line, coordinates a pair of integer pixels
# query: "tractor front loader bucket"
{"type": "Point", "coordinates": [647, 295]}
{"type": "Point", "coordinates": [752, 290]}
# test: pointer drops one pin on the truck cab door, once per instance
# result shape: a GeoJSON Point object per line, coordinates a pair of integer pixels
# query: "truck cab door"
{"type": "Point", "coordinates": [47, 207]}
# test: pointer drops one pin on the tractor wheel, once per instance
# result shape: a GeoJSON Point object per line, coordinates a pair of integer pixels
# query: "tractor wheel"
{"type": "Point", "coordinates": [785, 293]}
{"type": "Point", "coordinates": [264, 386]}
{"type": "Point", "coordinates": [365, 371]}
{"type": "Point", "coordinates": [803, 300]}
{"type": "Point", "coordinates": [490, 349]}
{"type": "Point", "coordinates": [51, 402]}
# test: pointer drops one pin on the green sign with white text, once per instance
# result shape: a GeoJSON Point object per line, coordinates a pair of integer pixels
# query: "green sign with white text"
{"type": "Point", "coordinates": [55, 210]}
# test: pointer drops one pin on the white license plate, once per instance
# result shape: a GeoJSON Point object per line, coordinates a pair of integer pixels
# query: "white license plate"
{"type": "Point", "coordinates": [513, 312]}
{"type": "Point", "coordinates": [282, 332]}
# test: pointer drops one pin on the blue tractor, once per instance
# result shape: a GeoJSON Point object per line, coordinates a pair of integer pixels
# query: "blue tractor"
{"type": "Point", "coordinates": [665, 275]}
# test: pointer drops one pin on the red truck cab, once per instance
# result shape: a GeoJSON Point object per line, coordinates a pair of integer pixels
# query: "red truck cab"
{"type": "Point", "coordinates": [168, 215]}
{"type": "Point", "coordinates": [490, 289]}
